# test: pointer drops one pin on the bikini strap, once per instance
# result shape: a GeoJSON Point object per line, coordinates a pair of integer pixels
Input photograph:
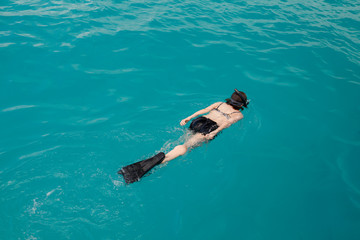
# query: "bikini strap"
{"type": "Point", "coordinates": [235, 112]}
{"type": "Point", "coordinates": [219, 105]}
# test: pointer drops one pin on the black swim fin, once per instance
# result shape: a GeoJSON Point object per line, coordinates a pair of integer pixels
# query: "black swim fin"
{"type": "Point", "coordinates": [133, 172]}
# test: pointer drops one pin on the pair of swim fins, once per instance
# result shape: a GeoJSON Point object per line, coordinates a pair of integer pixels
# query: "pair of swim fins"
{"type": "Point", "coordinates": [133, 172]}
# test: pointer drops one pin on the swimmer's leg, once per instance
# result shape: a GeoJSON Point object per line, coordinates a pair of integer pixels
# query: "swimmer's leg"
{"type": "Point", "coordinates": [179, 150]}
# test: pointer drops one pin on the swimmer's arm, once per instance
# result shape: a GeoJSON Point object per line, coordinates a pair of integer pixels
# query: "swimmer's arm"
{"type": "Point", "coordinates": [219, 129]}
{"type": "Point", "coordinates": [200, 112]}
{"type": "Point", "coordinates": [224, 125]}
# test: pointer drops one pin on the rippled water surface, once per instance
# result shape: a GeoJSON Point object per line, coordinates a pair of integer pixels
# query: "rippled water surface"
{"type": "Point", "coordinates": [87, 86]}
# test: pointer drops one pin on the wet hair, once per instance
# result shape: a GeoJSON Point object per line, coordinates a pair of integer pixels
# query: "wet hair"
{"type": "Point", "coordinates": [235, 97]}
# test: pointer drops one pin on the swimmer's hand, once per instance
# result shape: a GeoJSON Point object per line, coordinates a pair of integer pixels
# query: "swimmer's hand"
{"type": "Point", "coordinates": [210, 136]}
{"type": "Point", "coordinates": [184, 121]}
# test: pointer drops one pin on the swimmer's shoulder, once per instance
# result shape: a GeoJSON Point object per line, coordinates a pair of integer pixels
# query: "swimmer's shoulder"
{"type": "Point", "coordinates": [217, 104]}
{"type": "Point", "coordinates": [214, 105]}
{"type": "Point", "coordinates": [236, 116]}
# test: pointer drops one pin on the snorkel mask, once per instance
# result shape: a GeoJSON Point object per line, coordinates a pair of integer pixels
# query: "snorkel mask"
{"type": "Point", "coordinates": [244, 102]}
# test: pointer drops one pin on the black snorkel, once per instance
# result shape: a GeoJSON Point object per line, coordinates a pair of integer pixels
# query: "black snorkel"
{"type": "Point", "coordinates": [244, 102]}
{"type": "Point", "coordinates": [235, 103]}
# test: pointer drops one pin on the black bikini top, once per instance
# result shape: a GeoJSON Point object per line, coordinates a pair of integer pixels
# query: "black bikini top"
{"type": "Point", "coordinates": [227, 115]}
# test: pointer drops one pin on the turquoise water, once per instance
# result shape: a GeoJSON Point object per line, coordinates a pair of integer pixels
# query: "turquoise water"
{"type": "Point", "coordinates": [89, 86]}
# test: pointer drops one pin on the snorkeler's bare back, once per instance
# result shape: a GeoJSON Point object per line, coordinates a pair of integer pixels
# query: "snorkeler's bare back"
{"type": "Point", "coordinates": [220, 119]}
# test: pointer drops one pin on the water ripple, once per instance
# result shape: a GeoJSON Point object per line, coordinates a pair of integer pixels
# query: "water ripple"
{"type": "Point", "coordinates": [305, 23]}
{"type": "Point", "coordinates": [38, 153]}
{"type": "Point", "coordinates": [17, 108]}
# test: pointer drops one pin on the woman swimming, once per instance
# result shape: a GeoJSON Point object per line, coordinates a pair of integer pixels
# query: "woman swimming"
{"type": "Point", "coordinates": [220, 115]}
